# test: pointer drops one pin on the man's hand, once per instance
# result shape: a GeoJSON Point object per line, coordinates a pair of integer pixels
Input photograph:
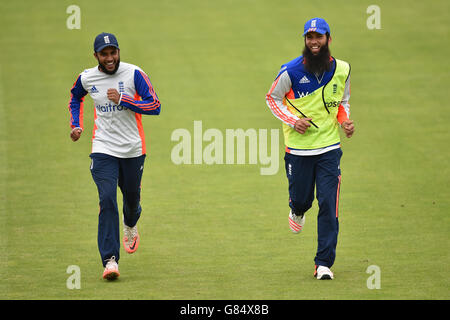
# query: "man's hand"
{"type": "Point", "coordinates": [348, 127]}
{"type": "Point", "coordinates": [113, 95]}
{"type": "Point", "coordinates": [301, 125]}
{"type": "Point", "coordinates": [75, 134]}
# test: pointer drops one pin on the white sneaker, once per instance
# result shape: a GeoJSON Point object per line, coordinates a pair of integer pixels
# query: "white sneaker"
{"type": "Point", "coordinates": [130, 238]}
{"type": "Point", "coordinates": [296, 222]}
{"type": "Point", "coordinates": [323, 273]}
{"type": "Point", "coordinates": [111, 270]}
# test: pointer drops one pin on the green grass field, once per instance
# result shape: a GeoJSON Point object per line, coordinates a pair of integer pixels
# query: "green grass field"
{"type": "Point", "coordinates": [221, 231]}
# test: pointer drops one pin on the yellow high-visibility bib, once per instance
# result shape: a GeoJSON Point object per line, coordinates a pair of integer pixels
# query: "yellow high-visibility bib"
{"type": "Point", "coordinates": [322, 106]}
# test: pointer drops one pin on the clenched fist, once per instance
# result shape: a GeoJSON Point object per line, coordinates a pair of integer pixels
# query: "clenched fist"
{"type": "Point", "coordinates": [301, 125]}
{"type": "Point", "coordinates": [75, 134]}
{"type": "Point", "coordinates": [348, 128]}
{"type": "Point", "coordinates": [113, 95]}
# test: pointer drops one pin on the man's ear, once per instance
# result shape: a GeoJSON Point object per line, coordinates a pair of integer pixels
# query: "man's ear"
{"type": "Point", "coordinates": [329, 40]}
{"type": "Point", "coordinates": [95, 55]}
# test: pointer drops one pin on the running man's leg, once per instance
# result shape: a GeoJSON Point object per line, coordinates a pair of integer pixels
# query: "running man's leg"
{"type": "Point", "coordinates": [328, 179]}
{"type": "Point", "coordinates": [300, 171]}
{"type": "Point", "coordinates": [105, 172]}
{"type": "Point", "coordinates": [130, 176]}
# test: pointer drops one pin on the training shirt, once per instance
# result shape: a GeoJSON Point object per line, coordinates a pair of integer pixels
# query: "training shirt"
{"type": "Point", "coordinates": [294, 81]}
{"type": "Point", "coordinates": [118, 129]}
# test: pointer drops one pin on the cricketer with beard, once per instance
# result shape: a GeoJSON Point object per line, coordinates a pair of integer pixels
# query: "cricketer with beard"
{"type": "Point", "coordinates": [310, 95]}
{"type": "Point", "coordinates": [122, 93]}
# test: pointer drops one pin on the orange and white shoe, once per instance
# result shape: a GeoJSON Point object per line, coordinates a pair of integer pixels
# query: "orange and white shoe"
{"type": "Point", "coordinates": [130, 238]}
{"type": "Point", "coordinates": [323, 273]}
{"type": "Point", "coordinates": [296, 222]}
{"type": "Point", "coordinates": [111, 270]}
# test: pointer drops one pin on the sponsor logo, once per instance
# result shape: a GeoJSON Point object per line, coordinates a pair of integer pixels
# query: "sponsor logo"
{"type": "Point", "coordinates": [110, 108]}
{"type": "Point", "coordinates": [94, 89]}
{"type": "Point", "coordinates": [304, 80]}
{"type": "Point", "coordinates": [133, 245]}
{"type": "Point", "coordinates": [302, 94]}
{"type": "Point", "coordinates": [332, 104]}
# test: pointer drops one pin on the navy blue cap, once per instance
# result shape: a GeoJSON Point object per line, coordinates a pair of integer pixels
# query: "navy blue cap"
{"type": "Point", "coordinates": [318, 25]}
{"type": "Point", "coordinates": [104, 40]}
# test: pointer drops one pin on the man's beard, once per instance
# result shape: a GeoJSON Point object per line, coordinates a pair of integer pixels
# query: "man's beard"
{"type": "Point", "coordinates": [318, 63]}
{"type": "Point", "coordinates": [103, 68]}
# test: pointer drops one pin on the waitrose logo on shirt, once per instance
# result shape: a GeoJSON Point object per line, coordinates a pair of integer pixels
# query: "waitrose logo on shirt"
{"type": "Point", "coordinates": [110, 108]}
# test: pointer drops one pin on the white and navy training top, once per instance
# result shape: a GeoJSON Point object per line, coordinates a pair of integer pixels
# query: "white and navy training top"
{"type": "Point", "coordinates": [118, 129]}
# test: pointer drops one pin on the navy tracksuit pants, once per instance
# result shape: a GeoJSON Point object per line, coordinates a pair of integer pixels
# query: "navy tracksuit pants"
{"type": "Point", "coordinates": [305, 173]}
{"type": "Point", "coordinates": [109, 172]}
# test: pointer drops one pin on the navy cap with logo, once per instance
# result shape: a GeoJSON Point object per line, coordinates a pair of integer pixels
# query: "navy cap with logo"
{"type": "Point", "coordinates": [318, 25]}
{"type": "Point", "coordinates": [104, 40]}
